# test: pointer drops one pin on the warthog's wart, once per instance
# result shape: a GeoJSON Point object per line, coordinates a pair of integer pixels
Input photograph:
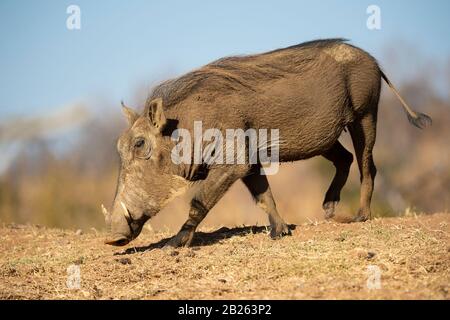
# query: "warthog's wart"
{"type": "Point", "coordinates": [304, 95]}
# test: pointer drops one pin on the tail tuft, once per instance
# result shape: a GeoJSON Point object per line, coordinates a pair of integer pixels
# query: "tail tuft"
{"type": "Point", "coordinates": [420, 120]}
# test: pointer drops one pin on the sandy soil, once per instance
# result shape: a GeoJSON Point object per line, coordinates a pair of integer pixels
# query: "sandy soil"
{"type": "Point", "coordinates": [321, 260]}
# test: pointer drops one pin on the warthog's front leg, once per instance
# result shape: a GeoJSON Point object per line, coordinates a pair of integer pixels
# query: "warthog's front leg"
{"type": "Point", "coordinates": [258, 185]}
{"type": "Point", "coordinates": [208, 194]}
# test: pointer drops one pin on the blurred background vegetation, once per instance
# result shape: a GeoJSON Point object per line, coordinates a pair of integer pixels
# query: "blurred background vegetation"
{"type": "Point", "coordinates": [58, 169]}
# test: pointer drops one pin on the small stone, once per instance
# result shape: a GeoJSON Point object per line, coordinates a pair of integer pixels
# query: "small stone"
{"type": "Point", "coordinates": [174, 253]}
{"type": "Point", "coordinates": [85, 293]}
{"type": "Point", "coordinates": [370, 255]}
{"type": "Point", "coordinates": [97, 292]}
{"type": "Point", "coordinates": [363, 253]}
{"type": "Point", "coordinates": [360, 253]}
{"type": "Point", "coordinates": [124, 260]}
{"type": "Point", "coordinates": [79, 232]}
{"type": "Point", "coordinates": [190, 254]}
{"type": "Point", "coordinates": [223, 280]}
{"type": "Point", "coordinates": [79, 261]}
{"type": "Point", "coordinates": [10, 271]}
{"type": "Point", "coordinates": [156, 292]}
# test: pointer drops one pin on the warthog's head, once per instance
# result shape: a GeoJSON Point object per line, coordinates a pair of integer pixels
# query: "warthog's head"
{"type": "Point", "coordinates": [145, 181]}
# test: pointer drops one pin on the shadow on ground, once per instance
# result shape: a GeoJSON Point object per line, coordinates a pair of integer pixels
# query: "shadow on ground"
{"type": "Point", "coordinates": [207, 238]}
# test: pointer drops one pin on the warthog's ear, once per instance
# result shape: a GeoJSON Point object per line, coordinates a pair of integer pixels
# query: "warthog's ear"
{"type": "Point", "coordinates": [154, 111]}
{"type": "Point", "coordinates": [130, 114]}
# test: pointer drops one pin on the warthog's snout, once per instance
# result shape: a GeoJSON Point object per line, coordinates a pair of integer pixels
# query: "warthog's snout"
{"type": "Point", "coordinates": [117, 241]}
{"type": "Point", "coordinates": [119, 225]}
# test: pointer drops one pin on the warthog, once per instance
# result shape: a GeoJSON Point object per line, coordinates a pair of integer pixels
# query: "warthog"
{"type": "Point", "coordinates": [310, 92]}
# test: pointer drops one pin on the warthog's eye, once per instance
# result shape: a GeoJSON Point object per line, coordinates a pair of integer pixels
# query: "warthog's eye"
{"type": "Point", "coordinates": [139, 143]}
{"type": "Point", "coordinates": [142, 148]}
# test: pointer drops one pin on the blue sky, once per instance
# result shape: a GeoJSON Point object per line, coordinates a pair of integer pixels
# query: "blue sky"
{"type": "Point", "coordinates": [126, 44]}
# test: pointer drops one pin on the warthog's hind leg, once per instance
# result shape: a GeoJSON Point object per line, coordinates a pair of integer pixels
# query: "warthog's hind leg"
{"type": "Point", "coordinates": [259, 187]}
{"type": "Point", "coordinates": [363, 133]}
{"type": "Point", "coordinates": [342, 160]}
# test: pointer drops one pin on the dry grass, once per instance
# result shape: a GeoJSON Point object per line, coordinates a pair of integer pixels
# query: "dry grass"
{"type": "Point", "coordinates": [323, 260]}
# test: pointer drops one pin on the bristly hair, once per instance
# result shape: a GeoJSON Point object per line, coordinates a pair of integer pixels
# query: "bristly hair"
{"type": "Point", "coordinates": [318, 43]}
{"type": "Point", "coordinates": [229, 74]}
{"type": "Point", "coordinates": [420, 120]}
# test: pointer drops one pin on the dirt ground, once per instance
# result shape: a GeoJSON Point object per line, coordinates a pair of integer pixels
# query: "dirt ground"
{"type": "Point", "coordinates": [390, 258]}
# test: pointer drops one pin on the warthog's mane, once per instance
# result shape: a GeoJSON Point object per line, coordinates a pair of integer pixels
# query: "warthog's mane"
{"type": "Point", "coordinates": [229, 74]}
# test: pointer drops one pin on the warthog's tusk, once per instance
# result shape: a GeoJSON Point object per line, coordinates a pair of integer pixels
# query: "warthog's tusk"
{"type": "Point", "coordinates": [105, 212]}
{"type": "Point", "coordinates": [125, 210]}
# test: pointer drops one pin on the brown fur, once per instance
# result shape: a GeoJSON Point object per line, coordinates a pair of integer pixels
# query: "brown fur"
{"type": "Point", "coordinates": [310, 92]}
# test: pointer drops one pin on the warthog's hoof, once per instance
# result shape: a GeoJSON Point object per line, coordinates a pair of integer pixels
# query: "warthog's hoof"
{"type": "Point", "coordinates": [328, 208]}
{"type": "Point", "coordinates": [280, 230]}
{"type": "Point", "coordinates": [361, 217]}
{"type": "Point", "coordinates": [182, 239]}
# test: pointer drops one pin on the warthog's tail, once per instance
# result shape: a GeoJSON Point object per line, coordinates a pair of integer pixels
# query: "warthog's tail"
{"type": "Point", "coordinates": [420, 120]}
